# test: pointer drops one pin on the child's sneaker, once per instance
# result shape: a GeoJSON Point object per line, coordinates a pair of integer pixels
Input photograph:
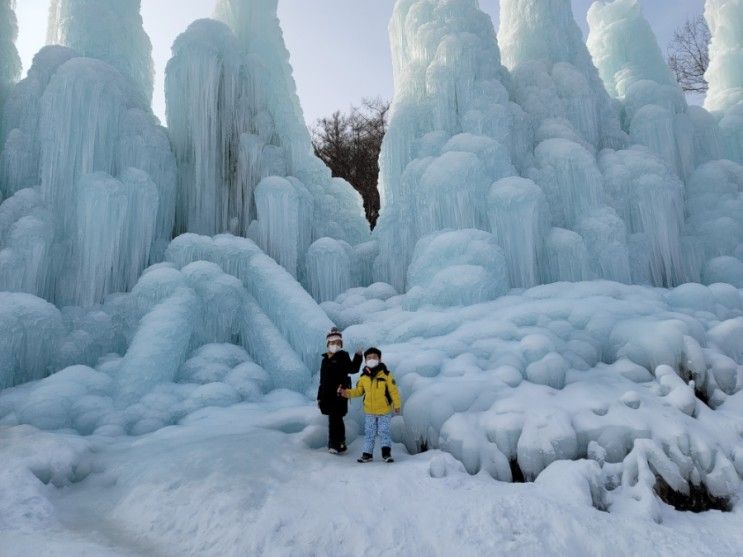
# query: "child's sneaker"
{"type": "Point", "coordinates": [366, 457]}
{"type": "Point", "coordinates": [387, 454]}
{"type": "Point", "coordinates": [332, 450]}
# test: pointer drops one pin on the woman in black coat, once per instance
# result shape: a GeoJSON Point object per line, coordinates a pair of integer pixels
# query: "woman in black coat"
{"type": "Point", "coordinates": [335, 372]}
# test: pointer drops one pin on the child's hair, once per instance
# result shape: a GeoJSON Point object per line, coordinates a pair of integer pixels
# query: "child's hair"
{"type": "Point", "coordinates": [373, 350]}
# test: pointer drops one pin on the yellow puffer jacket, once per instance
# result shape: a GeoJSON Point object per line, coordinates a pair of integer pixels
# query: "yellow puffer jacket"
{"type": "Point", "coordinates": [374, 387]}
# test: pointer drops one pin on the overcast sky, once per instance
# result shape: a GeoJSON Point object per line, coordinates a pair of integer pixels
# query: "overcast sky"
{"type": "Point", "coordinates": [339, 48]}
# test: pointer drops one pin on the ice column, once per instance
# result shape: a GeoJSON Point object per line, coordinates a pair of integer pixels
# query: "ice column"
{"type": "Point", "coordinates": [202, 87]}
{"type": "Point", "coordinates": [10, 62]}
{"type": "Point", "coordinates": [110, 30]}
{"type": "Point", "coordinates": [453, 130]}
{"type": "Point", "coordinates": [725, 72]}
{"type": "Point", "coordinates": [520, 220]}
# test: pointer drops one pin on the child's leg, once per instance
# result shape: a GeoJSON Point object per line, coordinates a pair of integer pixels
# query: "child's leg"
{"type": "Point", "coordinates": [370, 432]}
{"type": "Point", "coordinates": [384, 430]}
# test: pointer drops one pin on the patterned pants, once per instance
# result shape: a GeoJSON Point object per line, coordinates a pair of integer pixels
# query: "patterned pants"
{"type": "Point", "coordinates": [373, 426]}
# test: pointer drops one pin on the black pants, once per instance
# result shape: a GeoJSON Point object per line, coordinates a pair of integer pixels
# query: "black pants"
{"type": "Point", "coordinates": [336, 431]}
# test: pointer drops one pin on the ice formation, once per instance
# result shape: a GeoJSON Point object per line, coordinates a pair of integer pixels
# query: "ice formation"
{"type": "Point", "coordinates": [725, 21]}
{"type": "Point", "coordinates": [725, 95]}
{"type": "Point", "coordinates": [563, 165]}
{"type": "Point", "coordinates": [109, 30]}
{"type": "Point", "coordinates": [245, 158]}
{"type": "Point", "coordinates": [93, 175]}
{"type": "Point", "coordinates": [611, 159]}
{"type": "Point", "coordinates": [452, 131]}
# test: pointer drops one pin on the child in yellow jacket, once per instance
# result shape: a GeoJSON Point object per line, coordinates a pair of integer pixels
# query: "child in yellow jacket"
{"type": "Point", "coordinates": [381, 398]}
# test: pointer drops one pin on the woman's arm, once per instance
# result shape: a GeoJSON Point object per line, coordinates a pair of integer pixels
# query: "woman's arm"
{"type": "Point", "coordinates": [358, 359]}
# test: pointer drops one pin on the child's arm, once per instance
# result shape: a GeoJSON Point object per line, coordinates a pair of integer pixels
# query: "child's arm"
{"type": "Point", "coordinates": [394, 393]}
{"type": "Point", "coordinates": [354, 393]}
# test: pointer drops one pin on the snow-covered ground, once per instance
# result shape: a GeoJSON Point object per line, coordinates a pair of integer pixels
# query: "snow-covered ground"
{"type": "Point", "coordinates": [254, 479]}
{"type": "Point", "coordinates": [556, 379]}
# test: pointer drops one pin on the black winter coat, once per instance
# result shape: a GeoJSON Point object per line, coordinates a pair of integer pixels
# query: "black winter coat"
{"type": "Point", "coordinates": [335, 370]}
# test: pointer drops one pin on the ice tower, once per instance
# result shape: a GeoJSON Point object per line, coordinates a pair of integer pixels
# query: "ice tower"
{"type": "Point", "coordinates": [245, 158]}
{"type": "Point", "coordinates": [109, 30]}
{"type": "Point", "coordinates": [453, 129]}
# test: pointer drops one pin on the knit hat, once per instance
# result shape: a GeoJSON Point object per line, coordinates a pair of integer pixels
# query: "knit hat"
{"type": "Point", "coordinates": [334, 335]}
{"type": "Point", "coordinates": [373, 350]}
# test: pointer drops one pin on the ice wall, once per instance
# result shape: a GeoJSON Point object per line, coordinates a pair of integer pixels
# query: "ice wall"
{"type": "Point", "coordinates": [10, 62]}
{"type": "Point", "coordinates": [246, 163]}
{"type": "Point", "coordinates": [81, 134]}
{"type": "Point", "coordinates": [110, 30]}
{"type": "Point", "coordinates": [607, 152]}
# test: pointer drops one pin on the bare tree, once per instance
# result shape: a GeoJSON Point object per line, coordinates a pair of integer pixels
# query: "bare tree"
{"type": "Point", "coordinates": [688, 55]}
{"type": "Point", "coordinates": [350, 145]}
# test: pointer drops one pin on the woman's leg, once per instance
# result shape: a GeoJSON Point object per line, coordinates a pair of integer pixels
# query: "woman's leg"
{"type": "Point", "coordinates": [336, 431]}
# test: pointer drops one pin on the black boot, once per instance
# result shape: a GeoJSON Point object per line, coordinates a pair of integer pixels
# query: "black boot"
{"type": "Point", "coordinates": [387, 454]}
{"type": "Point", "coordinates": [366, 457]}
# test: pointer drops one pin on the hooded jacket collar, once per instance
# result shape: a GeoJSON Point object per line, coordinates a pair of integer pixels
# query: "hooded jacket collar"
{"type": "Point", "coordinates": [376, 371]}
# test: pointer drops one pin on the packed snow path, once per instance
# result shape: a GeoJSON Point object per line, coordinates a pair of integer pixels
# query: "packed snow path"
{"type": "Point", "coordinates": [254, 479]}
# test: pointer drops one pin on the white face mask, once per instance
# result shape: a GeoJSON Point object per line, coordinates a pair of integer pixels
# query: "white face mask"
{"type": "Point", "coordinates": [333, 348]}
{"type": "Point", "coordinates": [371, 364]}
